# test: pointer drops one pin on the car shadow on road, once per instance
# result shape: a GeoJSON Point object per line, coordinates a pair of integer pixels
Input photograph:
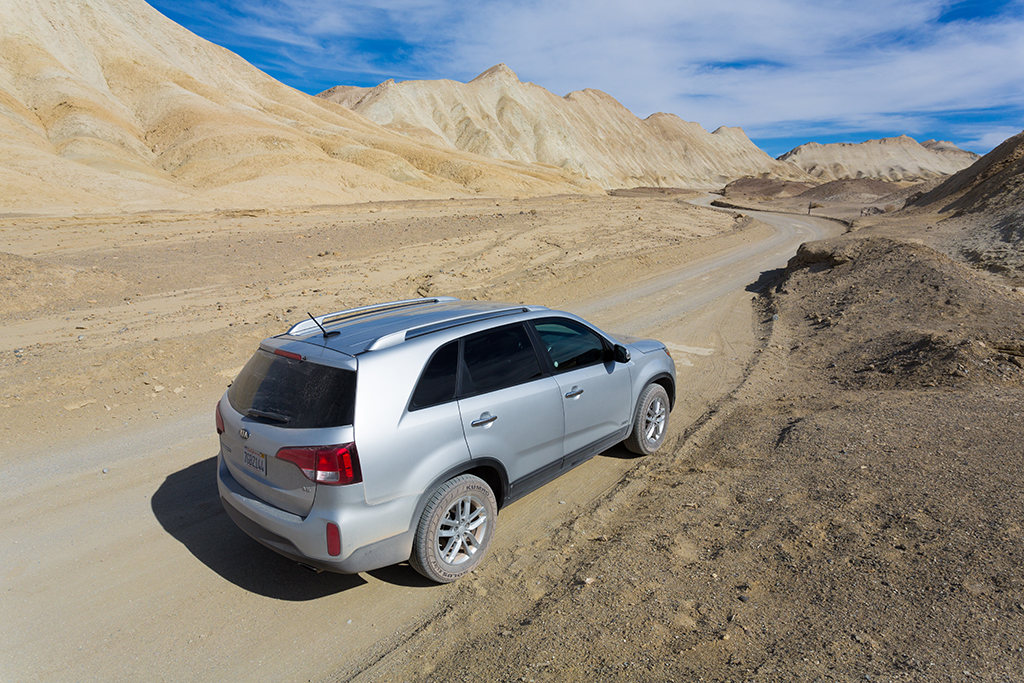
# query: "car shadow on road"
{"type": "Point", "coordinates": [619, 452]}
{"type": "Point", "coordinates": [402, 575]}
{"type": "Point", "coordinates": [188, 508]}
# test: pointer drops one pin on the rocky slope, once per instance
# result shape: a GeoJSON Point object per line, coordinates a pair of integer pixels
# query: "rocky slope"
{"type": "Point", "coordinates": [586, 132]}
{"type": "Point", "coordinates": [108, 105]}
{"type": "Point", "coordinates": [982, 210]}
{"type": "Point", "coordinates": [894, 159]}
{"type": "Point", "coordinates": [995, 184]}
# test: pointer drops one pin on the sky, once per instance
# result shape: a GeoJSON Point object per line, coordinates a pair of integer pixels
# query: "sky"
{"type": "Point", "coordinates": [786, 71]}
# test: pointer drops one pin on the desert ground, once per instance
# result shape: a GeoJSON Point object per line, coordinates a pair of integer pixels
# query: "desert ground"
{"type": "Point", "coordinates": [121, 332]}
{"type": "Point", "coordinates": [850, 511]}
{"type": "Point", "coordinates": [839, 498]}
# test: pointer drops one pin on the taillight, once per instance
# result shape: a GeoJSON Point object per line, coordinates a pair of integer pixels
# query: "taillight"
{"type": "Point", "coordinates": [332, 465]}
{"type": "Point", "coordinates": [220, 420]}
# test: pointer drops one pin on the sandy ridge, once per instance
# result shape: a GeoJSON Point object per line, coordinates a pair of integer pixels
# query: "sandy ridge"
{"type": "Point", "coordinates": [894, 159]}
{"type": "Point", "coordinates": [585, 132]}
{"type": "Point", "coordinates": [107, 105]}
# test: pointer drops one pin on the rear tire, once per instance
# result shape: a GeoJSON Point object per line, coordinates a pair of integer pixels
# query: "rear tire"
{"type": "Point", "coordinates": [650, 422]}
{"type": "Point", "coordinates": [455, 529]}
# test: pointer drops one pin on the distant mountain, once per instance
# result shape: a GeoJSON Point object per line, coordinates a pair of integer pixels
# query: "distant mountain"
{"type": "Point", "coordinates": [892, 159]}
{"type": "Point", "coordinates": [107, 105]}
{"type": "Point", "coordinates": [586, 132]}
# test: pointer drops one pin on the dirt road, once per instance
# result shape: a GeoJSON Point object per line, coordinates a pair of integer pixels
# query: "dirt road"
{"type": "Point", "coordinates": [119, 563]}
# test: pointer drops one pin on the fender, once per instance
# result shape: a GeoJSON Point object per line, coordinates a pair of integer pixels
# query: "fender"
{"type": "Point", "coordinates": [668, 381]}
{"type": "Point", "coordinates": [498, 481]}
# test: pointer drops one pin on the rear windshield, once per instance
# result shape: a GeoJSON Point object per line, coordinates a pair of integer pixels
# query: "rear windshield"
{"type": "Point", "coordinates": [293, 393]}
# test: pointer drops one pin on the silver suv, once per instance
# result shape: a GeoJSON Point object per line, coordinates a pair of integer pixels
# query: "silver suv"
{"type": "Point", "coordinates": [395, 432]}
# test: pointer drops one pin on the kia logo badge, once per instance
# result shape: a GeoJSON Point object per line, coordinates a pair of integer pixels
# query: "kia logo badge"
{"type": "Point", "coordinates": [244, 433]}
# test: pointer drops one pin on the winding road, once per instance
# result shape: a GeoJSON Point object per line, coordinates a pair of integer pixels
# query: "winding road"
{"type": "Point", "coordinates": [142, 576]}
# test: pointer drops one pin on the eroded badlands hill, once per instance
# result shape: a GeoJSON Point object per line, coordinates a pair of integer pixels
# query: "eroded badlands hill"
{"type": "Point", "coordinates": [982, 209]}
{"type": "Point", "coordinates": [895, 159]}
{"type": "Point", "coordinates": [108, 105]}
{"type": "Point", "coordinates": [586, 132]}
{"type": "Point", "coordinates": [995, 183]}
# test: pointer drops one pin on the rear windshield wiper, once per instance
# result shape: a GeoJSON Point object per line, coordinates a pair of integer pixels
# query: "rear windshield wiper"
{"type": "Point", "coordinates": [277, 417]}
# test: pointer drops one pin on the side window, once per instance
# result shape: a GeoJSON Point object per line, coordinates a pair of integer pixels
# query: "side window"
{"type": "Point", "coordinates": [437, 383]}
{"type": "Point", "coordinates": [499, 358]}
{"type": "Point", "coordinates": [570, 344]}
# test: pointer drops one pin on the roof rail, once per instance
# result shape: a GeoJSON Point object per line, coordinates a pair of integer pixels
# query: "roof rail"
{"type": "Point", "coordinates": [309, 326]}
{"type": "Point", "coordinates": [403, 335]}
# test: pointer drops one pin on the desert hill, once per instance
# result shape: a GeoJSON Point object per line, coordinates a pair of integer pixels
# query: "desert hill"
{"type": "Point", "coordinates": [108, 105]}
{"type": "Point", "coordinates": [981, 210]}
{"type": "Point", "coordinates": [994, 184]}
{"type": "Point", "coordinates": [892, 159]}
{"type": "Point", "coordinates": [586, 132]}
{"type": "Point", "coordinates": [844, 199]}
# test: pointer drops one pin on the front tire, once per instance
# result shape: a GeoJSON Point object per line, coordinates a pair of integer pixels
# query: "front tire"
{"type": "Point", "coordinates": [650, 422]}
{"type": "Point", "coordinates": [455, 530]}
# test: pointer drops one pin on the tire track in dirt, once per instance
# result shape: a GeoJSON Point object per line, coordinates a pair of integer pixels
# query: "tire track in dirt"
{"type": "Point", "coordinates": [712, 340]}
{"type": "Point", "coordinates": [138, 583]}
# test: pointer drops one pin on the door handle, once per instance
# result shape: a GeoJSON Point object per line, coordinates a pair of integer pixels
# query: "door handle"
{"type": "Point", "coordinates": [576, 391]}
{"type": "Point", "coordinates": [484, 420]}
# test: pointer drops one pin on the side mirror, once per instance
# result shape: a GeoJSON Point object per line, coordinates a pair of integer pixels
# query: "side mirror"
{"type": "Point", "coordinates": [621, 354]}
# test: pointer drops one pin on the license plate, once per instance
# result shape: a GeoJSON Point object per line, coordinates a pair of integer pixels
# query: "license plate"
{"type": "Point", "coordinates": [255, 460]}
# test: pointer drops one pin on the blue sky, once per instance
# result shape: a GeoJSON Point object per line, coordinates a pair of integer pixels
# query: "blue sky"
{"type": "Point", "coordinates": [786, 71]}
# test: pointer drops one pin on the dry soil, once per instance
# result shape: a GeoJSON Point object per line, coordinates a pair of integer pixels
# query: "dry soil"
{"type": "Point", "coordinates": [846, 507]}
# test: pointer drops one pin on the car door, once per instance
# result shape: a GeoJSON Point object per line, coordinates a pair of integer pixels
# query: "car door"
{"type": "Point", "coordinates": [594, 390]}
{"type": "Point", "coordinates": [511, 409]}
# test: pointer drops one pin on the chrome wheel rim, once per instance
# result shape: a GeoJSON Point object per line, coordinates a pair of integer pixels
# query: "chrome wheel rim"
{"type": "Point", "coordinates": [654, 420]}
{"type": "Point", "coordinates": [460, 535]}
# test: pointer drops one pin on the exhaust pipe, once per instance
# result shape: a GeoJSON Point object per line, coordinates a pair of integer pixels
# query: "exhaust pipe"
{"type": "Point", "coordinates": [315, 570]}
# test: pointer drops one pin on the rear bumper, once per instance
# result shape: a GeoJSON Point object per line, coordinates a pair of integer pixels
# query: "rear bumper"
{"type": "Point", "coordinates": [304, 539]}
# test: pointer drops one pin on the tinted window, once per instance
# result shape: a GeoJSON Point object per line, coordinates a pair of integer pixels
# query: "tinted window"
{"type": "Point", "coordinates": [293, 393]}
{"type": "Point", "coordinates": [437, 383]}
{"type": "Point", "coordinates": [570, 344]}
{"type": "Point", "coordinates": [499, 358]}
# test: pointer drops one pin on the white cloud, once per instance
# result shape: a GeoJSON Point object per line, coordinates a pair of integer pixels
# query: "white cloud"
{"type": "Point", "coordinates": [768, 65]}
{"type": "Point", "coordinates": [993, 137]}
{"type": "Point", "coordinates": [822, 60]}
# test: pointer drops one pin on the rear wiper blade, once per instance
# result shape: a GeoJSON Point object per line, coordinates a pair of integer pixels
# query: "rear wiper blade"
{"type": "Point", "coordinates": [277, 417]}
